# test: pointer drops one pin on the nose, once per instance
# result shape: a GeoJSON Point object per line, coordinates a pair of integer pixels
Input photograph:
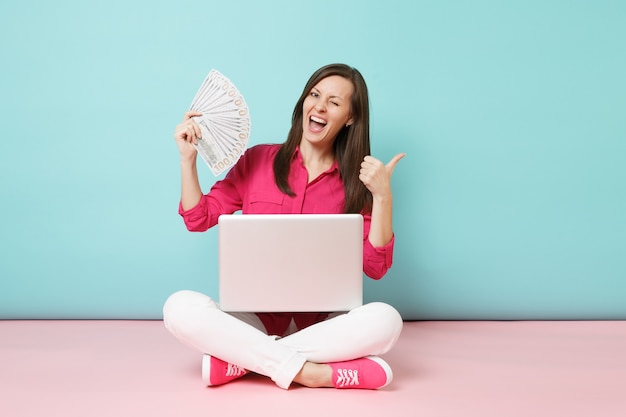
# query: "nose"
{"type": "Point", "coordinates": [320, 106]}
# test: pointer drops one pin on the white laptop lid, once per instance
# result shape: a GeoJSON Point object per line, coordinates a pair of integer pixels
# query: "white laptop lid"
{"type": "Point", "coordinates": [290, 262]}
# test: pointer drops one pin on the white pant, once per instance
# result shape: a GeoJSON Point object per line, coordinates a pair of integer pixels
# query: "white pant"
{"type": "Point", "coordinates": [240, 338]}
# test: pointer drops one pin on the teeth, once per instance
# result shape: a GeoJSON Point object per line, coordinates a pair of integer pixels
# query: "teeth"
{"type": "Point", "coordinates": [318, 120]}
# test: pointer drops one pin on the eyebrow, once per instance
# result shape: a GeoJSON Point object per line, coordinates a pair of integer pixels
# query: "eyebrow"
{"type": "Point", "coordinates": [318, 91]}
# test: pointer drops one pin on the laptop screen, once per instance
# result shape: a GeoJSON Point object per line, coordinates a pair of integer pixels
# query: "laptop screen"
{"type": "Point", "coordinates": [290, 262]}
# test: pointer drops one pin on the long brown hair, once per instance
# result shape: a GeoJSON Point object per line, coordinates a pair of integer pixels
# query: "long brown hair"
{"type": "Point", "coordinates": [351, 145]}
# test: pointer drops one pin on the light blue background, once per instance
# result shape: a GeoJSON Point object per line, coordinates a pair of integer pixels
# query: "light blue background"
{"type": "Point", "coordinates": [510, 203]}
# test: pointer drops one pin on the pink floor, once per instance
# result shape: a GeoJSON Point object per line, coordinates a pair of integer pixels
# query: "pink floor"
{"type": "Point", "coordinates": [134, 368]}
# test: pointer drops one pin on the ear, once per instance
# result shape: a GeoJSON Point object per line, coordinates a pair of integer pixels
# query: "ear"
{"type": "Point", "coordinates": [349, 122]}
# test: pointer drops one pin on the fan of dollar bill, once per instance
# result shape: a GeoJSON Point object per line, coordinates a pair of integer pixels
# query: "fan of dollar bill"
{"type": "Point", "coordinates": [225, 122]}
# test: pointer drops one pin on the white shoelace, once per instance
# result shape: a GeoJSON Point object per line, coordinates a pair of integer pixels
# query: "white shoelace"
{"type": "Point", "coordinates": [347, 377]}
{"type": "Point", "coordinates": [234, 370]}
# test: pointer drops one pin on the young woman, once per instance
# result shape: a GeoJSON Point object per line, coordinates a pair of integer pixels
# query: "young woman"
{"type": "Point", "coordinates": [324, 166]}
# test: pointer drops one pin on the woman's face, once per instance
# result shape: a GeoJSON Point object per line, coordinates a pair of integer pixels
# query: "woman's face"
{"type": "Point", "coordinates": [326, 109]}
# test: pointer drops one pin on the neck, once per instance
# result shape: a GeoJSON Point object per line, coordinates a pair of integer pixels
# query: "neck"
{"type": "Point", "coordinates": [316, 156]}
{"type": "Point", "coordinates": [316, 160]}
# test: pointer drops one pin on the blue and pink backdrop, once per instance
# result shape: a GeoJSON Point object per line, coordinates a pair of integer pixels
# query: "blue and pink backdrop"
{"type": "Point", "coordinates": [510, 203]}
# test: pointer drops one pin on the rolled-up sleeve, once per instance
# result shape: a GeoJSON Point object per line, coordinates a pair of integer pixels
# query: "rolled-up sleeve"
{"type": "Point", "coordinates": [376, 260]}
{"type": "Point", "coordinates": [197, 218]}
{"type": "Point", "coordinates": [223, 198]}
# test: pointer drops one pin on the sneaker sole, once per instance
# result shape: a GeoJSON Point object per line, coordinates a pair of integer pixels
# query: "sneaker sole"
{"type": "Point", "coordinates": [206, 370]}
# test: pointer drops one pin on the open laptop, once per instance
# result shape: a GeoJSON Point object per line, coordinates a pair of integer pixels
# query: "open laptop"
{"type": "Point", "coordinates": [290, 262]}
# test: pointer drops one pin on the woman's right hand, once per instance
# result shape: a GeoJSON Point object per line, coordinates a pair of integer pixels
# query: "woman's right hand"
{"type": "Point", "coordinates": [186, 135]}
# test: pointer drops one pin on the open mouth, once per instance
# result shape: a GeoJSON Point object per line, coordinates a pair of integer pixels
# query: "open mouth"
{"type": "Point", "coordinates": [316, 124]}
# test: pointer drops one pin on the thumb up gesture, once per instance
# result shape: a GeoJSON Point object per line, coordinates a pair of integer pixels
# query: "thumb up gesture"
{"type": "Point", "coordinates": [376, 176]}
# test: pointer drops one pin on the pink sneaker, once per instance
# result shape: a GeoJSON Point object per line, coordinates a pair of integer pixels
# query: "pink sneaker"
{"type": "Point", "coordinates": [217, 372]}
{"type": "Point", "coordinates": [370, 372]}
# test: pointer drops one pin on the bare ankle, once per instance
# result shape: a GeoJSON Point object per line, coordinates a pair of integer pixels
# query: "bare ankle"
{"type": "Point", "coordinates": [315, 375]}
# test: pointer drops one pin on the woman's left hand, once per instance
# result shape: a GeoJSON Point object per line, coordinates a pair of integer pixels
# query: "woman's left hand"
{"type": "Point", "coordinates": [376, 176]}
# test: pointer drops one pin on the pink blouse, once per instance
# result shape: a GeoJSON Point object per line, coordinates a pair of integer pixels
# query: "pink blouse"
{"type": "Point", "coordinates": [250, 187]}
